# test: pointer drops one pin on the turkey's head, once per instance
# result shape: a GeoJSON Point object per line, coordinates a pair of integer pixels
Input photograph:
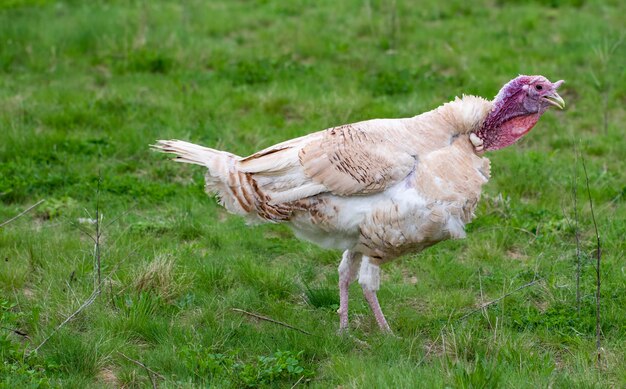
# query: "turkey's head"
{"type": "Point", "coordinates": [516, 109]}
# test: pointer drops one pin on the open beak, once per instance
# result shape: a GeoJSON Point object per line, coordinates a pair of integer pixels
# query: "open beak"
{"type": "Point", "coordinates": [556, 100]}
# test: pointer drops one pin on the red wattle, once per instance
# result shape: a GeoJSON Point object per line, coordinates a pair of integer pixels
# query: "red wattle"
{"type": "Point", "coordinates": [512, 130]}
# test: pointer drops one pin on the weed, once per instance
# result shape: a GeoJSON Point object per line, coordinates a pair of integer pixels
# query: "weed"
{"type": "Point", "coordinates": [160, 278]}
{"type": "Point", "coordinates": [54, 208]}
{"type": "Point", "coordinates": [478, 375]}
{"type": "Point", "coordinates": [322, 297]}
{"type": "Point", "coordinates": [230, 370]}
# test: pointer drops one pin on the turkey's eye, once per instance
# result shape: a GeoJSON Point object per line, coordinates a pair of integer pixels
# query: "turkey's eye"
{"type": "Point", "coordinates": [539, 87]}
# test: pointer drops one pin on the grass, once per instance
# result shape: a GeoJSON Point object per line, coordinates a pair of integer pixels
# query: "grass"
{"type": "Point", "coordinates": [86, 86]}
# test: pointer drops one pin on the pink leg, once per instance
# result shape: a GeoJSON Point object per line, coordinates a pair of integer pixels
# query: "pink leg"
{"type": "Point", "coordinates": [344, 284]}
{"type": "Point", "coordinates": [369, 278]}
{"type": "Point", "coordinates": [347, 273]}
{"type": "Point", "coordinates": [372, 300]}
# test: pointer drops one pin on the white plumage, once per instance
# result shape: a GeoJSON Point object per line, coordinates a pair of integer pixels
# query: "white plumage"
{"type": "Point", "coordinates": [375, 189]}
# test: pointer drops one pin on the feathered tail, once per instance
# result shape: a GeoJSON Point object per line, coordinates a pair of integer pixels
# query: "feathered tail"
{"type": "Point", "coordinates": [237, 191]}
{"type": "Point", "coordinates": [219, 163]}
{"type": "Point", "coordinates": [192, 153]}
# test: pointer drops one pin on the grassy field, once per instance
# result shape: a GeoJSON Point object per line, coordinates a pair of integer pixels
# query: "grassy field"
{"type": "Point", "coordinates": [85, 87]}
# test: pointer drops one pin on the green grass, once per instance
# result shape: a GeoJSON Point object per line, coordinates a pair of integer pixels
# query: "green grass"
{"type": "Point", "coordinates": [86, 86]}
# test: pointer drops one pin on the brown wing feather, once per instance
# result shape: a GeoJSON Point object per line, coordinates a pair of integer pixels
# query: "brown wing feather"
{"type": "Point", "coordinates": [351, 160]}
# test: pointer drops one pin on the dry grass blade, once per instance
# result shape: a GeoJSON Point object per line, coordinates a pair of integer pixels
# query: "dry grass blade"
{"type": "Point", "coordinates": [265, 318]}
{"type": "Point", "coordinates": [159, 277]}
{"type": "Point", "coordinates": [297, 382]}
{"type": "Point", "coordinates": [24, 212]}
{"type": "Point", "coordinates": [90, 300]}
{"type": "Point", "coordinates": [87, 303]}
{"type": "Point", "coordinates": [500, 298]}
{"type": "Point", "coordinates": [432, 346]}
{"type": "Point", "coordinates": [148, 370]}
{"type": "Point", "coordinates": [576, 233]}
{"type": "Point", "coordinates": [96, 249]}
{"type": "Point", "coordinates": [598, 263]}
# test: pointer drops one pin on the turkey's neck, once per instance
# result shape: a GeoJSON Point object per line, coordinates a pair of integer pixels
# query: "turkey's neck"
{"type": "Point", "coordinates": [505, 124]}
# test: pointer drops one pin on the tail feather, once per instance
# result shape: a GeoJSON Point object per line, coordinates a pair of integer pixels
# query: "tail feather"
{"type": "Point", "coordinates": [220, 165]}
{"type": "Point", "coordinates": [191, 153]}
{"type": "Point", "coordinates": [238, 191]}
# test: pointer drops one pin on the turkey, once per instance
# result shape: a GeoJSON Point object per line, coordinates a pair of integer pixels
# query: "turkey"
{"type": "Point", "coordinates": [380, 188]}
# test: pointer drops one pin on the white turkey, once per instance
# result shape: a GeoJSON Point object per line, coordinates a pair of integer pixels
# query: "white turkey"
{"type": "Point", "coordinates": [380, 188]}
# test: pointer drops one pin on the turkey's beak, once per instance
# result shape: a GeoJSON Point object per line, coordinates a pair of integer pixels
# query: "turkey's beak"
{"type": "Point", "coordinates": [554, 99]}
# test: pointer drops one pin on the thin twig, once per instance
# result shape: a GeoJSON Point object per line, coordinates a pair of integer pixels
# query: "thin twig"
{"type": "Point", "coordinates": [69, 287]}
{"type": "Point", "coordinates": [24, 212]}
{"type": "Point", "coordinates": [598, 262]}
{"type": "Point", "coordinates": [128, 211]}
{"type": "Point", "coordinates": [533, 235]}
{"type": "Point", "coordinates": [87, 303]}
{"type": "Point", "coordinates": [482, 299]}
{"type": "Point", "coordinates": [500, 298]}
{"type": "Point", "coordinates": [86, 232]}
{"type": "Point", "coordinates": [271, 320]}
{"type": "Point", "coordinates": [117, 265]}
{"type": "Point", "coordinates": [111, 293]}
{"type": "Point", "coordinates": [98, 235]}
{"type": "Point", "coordinates": [97, 288]}
{"type": "Point", "coordinates": [121, 235]}
{"type": "Point", "coordinates": [150, 371]}
{"type": "Point", "coordinates": [297, 382]}
{"type": "Point", "coordinates": [430, 348]}
{"type": "Point", "coordinates": [576, 233]}
{"type": "Point", "coordinates": [480, 282]}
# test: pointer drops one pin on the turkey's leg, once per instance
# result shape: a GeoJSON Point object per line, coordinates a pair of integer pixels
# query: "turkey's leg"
{"type": "Point", "coordinates": [369, 278]}
{"type": "Point", "coordinates": [348, 269]}
{"type": "Point", "coordinates": [372, 300]}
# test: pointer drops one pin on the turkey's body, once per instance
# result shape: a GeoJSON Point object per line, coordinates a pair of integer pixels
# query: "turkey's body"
{"type": "Point", "coordinates": [380, 188]}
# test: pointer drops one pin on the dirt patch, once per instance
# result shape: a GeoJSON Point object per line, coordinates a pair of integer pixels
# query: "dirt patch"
{"type": "Point", "coordinates": [28, 293]}
{"type": "Point", "coordinates": [516, 255]}
{"type": "Point", "coordinates": [108, 377]}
